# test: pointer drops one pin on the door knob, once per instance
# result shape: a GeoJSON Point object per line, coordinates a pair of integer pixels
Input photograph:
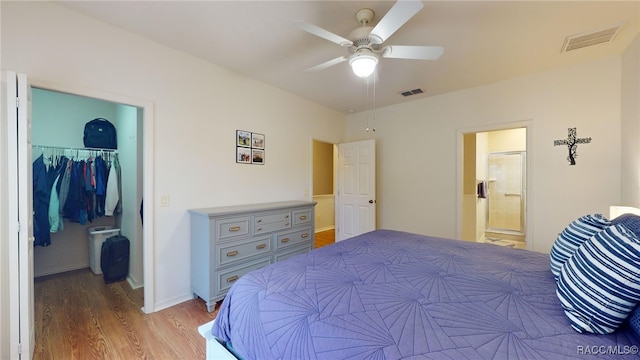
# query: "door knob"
{"type": "Point", "coordinates": [371, 201]}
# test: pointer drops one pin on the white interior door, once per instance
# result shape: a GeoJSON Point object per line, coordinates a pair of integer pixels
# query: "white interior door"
{"type": "Point", "coordinates": [20, 216]}
{"type": "Point", "coordinates": [356, 196]}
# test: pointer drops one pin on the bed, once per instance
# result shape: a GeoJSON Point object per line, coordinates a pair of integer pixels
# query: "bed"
{"type": "Point", "coordinates": [396, 295]}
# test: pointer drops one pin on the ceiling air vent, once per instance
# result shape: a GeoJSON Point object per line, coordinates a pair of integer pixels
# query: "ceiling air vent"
{"type": "Point", "coordinates": [412, 92]}
{"type": "Point", "coordinates": [579, 41]}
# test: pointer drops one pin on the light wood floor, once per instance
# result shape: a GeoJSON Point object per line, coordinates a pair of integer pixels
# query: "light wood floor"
{"type": "Point", "coordinates": [78, 316]}
{"type": "Point", "coordinates": [325, 238]}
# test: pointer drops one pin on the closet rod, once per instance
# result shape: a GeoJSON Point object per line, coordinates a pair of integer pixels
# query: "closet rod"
{"type": "Point", "coordinates": [47, 147]}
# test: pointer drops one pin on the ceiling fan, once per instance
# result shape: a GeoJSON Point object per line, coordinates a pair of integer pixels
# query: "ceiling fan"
{"type": "Point", "coordinates": [365, 43]}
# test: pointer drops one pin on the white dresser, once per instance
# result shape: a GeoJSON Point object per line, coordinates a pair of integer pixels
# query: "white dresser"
{"type": "Point", "coordinates": [228, 242]}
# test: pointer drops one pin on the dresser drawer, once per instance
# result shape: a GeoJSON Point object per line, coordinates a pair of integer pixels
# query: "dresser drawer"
{"type": "Point", "coordinates": [226, 278]}
{"type": "Point", "coordinates": [292, 238]}
{"type": "Point", "coordinates": [287, 252]}
{"type": "Point", "coordinates": [232, 227]}
{"type": "Point", "coordinates": [301, 217]}
{"type": "Point", "coordinates": [269, 228]}
{"type": "Point", "coordinates": [236, 251]}
{"type": "Point", "coordinates": [272, 218]}
{"type": "Point", "coordinates": [265, 223]}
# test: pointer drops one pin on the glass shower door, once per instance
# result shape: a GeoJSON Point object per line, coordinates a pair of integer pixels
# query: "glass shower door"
{"type": "Point", "coordinates": [506, 192]}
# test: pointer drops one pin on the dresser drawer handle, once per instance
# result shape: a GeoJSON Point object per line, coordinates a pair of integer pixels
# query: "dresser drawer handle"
{"type": "Point", "coordinates": [234, 228]}
{"type": "Point", "coordinates": [261, 246]}
{"type": "Point", "coordinates": [232, 253]}
{"type": "Point", "coordinates": [259, 229]}
{"type": "Point", "coordinates": [232, 279]}
{"type": "Point", "coordinates": [285, 240]}
{"type": "Point", "coordinates": [303, 217]}
{"type": "Point", "coordinates": [259, 220]}
{"type": "Point", "coordinates": [286, 217]}
{"type": "Point", "coordinates": [305, 235]}
{"type": "Point", "coordinates": [286, 224]}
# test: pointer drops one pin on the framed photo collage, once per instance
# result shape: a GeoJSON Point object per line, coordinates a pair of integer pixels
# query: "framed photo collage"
{"type": "Point", "coordinates": [249, 147]}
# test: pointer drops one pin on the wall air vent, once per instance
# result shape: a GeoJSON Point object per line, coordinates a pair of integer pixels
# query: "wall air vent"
{"type": "Point", "coordinates": [583, 40]}
{"type": "Point", "coordinates": [412, 92]}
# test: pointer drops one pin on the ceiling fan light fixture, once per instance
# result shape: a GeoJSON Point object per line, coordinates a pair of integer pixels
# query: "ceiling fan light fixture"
{"type": "Point", "coordinates": [363, 64]}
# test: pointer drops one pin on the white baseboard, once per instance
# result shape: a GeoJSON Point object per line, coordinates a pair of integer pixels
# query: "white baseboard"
{"type": "Point", "coordinates": [331, 227]}
{"type": "Point", "coordinates": [172, 302]}
{"type": "Point", "coordinates": [132, 282]}
{"type": "Point", "coordinates": [61, 269]}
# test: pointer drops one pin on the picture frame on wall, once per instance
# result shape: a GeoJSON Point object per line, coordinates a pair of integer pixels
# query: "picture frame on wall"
{"type": "Point", "coordinates": [243, 138]}
{"type": "Point", "coordinates": [250, 148]}
{"type": "Point", "coordinates": [257, 156]}
{"type": "Point", "coordinates": [257, 141]}
{"type": "Point", "coordinates": [243, 155]}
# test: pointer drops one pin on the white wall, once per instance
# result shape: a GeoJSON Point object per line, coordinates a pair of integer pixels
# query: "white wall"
{"type": "Point", "coordinates": [325, 212]}
{"type": "Point", "coordinates": [631, 125]}
{"type": "Point", "coordinates": [420, 193]}
{"type": "Point", "coordinates": [198, 107]}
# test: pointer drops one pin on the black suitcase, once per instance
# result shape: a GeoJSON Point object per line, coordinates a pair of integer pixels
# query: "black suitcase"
{"type": "Point", "coordinates": [114, 258]}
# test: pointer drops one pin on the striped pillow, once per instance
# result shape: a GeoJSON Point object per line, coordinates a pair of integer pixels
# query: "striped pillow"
{"type": "Point", "coordinates": [572, 237]}
{"type": "Point", "coordinates": [600, 284]}
{"type": "Point", "coordinates": [634, 320]}
{"type": "Point", "coordinates": [631, 221]}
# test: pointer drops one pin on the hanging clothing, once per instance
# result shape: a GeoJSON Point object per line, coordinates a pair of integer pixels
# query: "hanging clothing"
{"type": "Point", "coordinates": [64, 183]}
{"type": "Point", "coordinates": [41, 190]}
{"type": "Point", "coordinates": [76, 189]}
{"type": "Point", "coordinates": [89, 189]}
{"type": "Point", "coordinates": [101, 174]}
{"type": "Point", "coordinates": [55, 221]}
{"type": "Point", "coordinates": [112, 197]}
{"type": "Point", "coordinates": [55, 215]}
{"type": "Point", "coordinates": [483, 190]}
{"type": "Point", "coordinates": [75, 207]}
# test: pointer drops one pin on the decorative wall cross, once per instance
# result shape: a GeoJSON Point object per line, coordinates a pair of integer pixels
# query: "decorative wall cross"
{"type": "Point", "coordinates": [572, 142]}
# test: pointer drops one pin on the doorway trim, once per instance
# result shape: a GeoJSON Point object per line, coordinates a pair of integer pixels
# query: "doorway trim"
{"type": "Point", "coordinates": [528, 125]}
{"type": "Point", "coordinates": [148, 250]}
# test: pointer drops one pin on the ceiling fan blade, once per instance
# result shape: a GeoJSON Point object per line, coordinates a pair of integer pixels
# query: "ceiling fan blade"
{"type": "Point", "coordinates": [326, 64]}
{"type": "Point", "coordinates": [400, 13]}
{"type": "Point", "coordinates": [325, 34]}
{"type": "Point", "coordinates": [412, 52]}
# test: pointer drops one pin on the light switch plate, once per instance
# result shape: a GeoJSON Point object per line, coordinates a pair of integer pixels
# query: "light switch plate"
{"type": "Point", "coordinates": [164, 200]}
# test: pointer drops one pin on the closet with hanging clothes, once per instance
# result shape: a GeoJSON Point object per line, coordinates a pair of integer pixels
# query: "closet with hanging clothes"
{"type": "Point", "coordinates": [75, 184]}
{"type": "Point", "coordinates": [103, 185]}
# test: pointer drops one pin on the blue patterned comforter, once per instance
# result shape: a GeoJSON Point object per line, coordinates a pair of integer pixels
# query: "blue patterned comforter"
{"type": "Point", "coordinates": [395, 295]}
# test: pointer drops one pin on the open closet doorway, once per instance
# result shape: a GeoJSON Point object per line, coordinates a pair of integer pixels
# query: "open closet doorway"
{"type": "Point", "coordinates": [58, 121]}
{"type": "Point", "coordinates": [494, 187]}
{"type": "Point", "coordinates": [324, 160]}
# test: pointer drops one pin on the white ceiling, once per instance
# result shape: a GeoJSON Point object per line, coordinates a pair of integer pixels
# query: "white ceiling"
{"type": "Point", "coordinates": [484, 41]}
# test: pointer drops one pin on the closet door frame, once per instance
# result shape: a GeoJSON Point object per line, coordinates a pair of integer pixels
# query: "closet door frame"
{"type": "Point", "coordinates": [147, 174]}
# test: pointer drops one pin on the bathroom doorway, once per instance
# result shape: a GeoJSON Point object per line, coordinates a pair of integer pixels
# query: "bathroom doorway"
{"type": "Point", "coordinates": [494, 187]}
